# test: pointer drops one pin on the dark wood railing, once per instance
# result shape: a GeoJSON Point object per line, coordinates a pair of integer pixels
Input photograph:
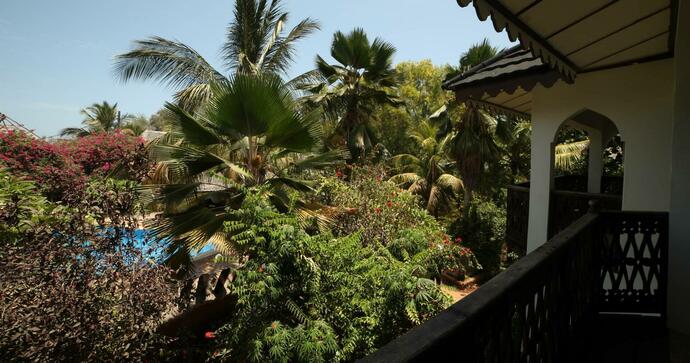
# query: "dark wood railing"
{"type": "Point", "coordinates": [517, 207]}
{"type": "Point", "coordinates": [543, 307]}
{"type": "Point", "coordinates": [565, 206]}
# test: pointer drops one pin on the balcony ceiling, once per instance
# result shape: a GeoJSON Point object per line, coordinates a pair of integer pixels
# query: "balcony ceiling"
{"type": "Point", "coordinates": [585, 35]}
{"type": "Point", "coordinates": [566, 37]}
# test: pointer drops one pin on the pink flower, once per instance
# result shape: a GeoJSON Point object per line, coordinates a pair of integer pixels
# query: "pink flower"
{"type": "Point", "coordinates": [458, 239]}
{"type": "Point", "coordinates": [106, 166]}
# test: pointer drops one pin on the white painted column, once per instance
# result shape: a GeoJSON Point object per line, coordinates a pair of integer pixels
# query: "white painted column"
{"type": "Point", "coordinates": [596, 162]}
{"type": "Point", "coordinates": [679, 249]}
{"type": "Point", "coordinates": [540, 183]}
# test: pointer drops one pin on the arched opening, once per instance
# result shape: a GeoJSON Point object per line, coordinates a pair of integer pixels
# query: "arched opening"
{"type": "Point", "coordinates": [587, 164]}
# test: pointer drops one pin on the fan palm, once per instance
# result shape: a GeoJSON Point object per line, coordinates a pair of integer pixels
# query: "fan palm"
{"type": "Point", "coordinates": [428, 173]}
{"type": "Point", "coordinates": [348, 91]}
{"type": "Point", "coordinates": [99, 117]}
{"type": "Point", "coordinates": [255, 43]}
{"type": "Point", "coordinates": [473, 144]}
{"type": "Point", "coordinates": [250, 134]}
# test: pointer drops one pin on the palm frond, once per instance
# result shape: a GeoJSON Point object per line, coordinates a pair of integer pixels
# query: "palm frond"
{"type": "Point", "coordinates": [168, 62]}
{"type": "Point", "coordinates": [567, 155]}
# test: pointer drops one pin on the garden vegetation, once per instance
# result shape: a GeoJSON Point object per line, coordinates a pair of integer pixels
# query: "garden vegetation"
{"type": "Point", "coordinates": [342, 198]}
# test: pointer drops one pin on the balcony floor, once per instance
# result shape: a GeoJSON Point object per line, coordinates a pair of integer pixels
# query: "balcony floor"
{"type": "Point", "coordinates": [635, 339]}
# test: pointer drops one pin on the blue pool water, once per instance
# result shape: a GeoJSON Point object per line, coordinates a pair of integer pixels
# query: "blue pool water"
{"type": "Point", "coordinates": [143, 239]}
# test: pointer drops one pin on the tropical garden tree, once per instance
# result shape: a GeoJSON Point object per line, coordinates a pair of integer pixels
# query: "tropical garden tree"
{"type": "Point", "coordinates": [473, 143]}
{"type": "Point", "coordinates": [250, 134]}
{"type": "Point", "coordinates": [428, 172]}
{"type": "Point", "coordinates": [256, 42]}
{"type": "Point", "coordinates": [99, 117]}
{"type": "Point", "coordinates": [349, 90]}
{"type": "Point", "coordinates": [419, 85]}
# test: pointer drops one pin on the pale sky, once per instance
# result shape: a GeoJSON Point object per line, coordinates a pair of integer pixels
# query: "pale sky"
{"type": "Point", "coordinates": [56, 57]}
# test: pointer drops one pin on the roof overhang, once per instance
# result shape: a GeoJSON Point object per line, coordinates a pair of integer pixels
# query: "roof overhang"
{"type": "Point", "coordinates": [584, 35]}
{"type": "Point", "coordinates": [561, 39]}
{"type": "Point", "coordinates": [503, 84]}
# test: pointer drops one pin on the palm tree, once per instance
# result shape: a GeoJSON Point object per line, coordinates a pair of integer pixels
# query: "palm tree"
{"type": "Point", "coordinates": [251, 134]}
{"type": "Point", "coordinates": [136, 125]}
{"type": "Point", "coordinates": [514, 138]}
{"type": "Point", "coordinates": [255, 43]}
{"type": "Point", "coordinates": [99, 117]}
{"type": "Point", "coordinates": [473, 144]}
{"type": "Point", "coordinates": [428, 174]}
{"type": "Point", "coordinates": [477, 53]}
{"type": "Point", "coordinates": [570, 154]}
{"type": "Point", "coordinates": [349, 90]}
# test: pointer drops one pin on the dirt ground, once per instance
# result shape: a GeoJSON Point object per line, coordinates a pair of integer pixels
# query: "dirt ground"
{"type": "Point", "coordinates": [456, 293]}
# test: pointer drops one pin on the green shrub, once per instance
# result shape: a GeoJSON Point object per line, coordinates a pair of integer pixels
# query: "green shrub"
{"type": "Point", "coordinates": [317, 298]}
{"type": "Point", "coordinates": [482, 228]}
{"type": "Point", "coordinates": [375, 208]}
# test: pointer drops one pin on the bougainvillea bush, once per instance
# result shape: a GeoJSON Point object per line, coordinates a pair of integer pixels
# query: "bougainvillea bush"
{"type": "Point", "coordinates": [61, 170]}
{"type": "Point", "coordinates": [70, 290]}
{"type": "Point", "coordinates": [43, 162]}
{"type": "Point", "coordinates": [101, 152]}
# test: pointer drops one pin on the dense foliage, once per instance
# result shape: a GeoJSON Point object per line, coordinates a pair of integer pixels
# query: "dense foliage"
{"type": "Point", "coordinates": [325, 298]}
{"type": "Point", "coordinates": [483, 228]}
{"type": "Point", "coordinates": [69, 290]}
{"type": "Point", "coordinates": [336, 196]}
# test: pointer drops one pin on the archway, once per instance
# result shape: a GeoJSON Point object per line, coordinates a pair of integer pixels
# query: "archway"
{"type": "Point", "coordinates": [587, 164]}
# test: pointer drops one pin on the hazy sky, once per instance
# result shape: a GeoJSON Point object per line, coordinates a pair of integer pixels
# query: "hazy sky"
{"type": "Point", "coordinates": [56, 57]}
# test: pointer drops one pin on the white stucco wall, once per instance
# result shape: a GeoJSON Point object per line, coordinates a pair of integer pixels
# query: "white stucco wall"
{"type": "Point", "coordinates": [679, 224]}
{"type": "Point", "coordinates": [639, 100]}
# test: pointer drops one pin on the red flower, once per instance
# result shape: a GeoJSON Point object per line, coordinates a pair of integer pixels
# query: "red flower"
{"type": "Point", "coordinates": [209, 335]}
{"type": "Point", "coordinates": [378, 178]}
{"type": "Point", "coordinates": [106, 166]}
{"type": "Point", "coordinates": [458, 239]}
{"type": "Point", "coordinates": [339, 174]}
{"type": "Point", "coordinates": [378, 210]}
{"type": "Point", "coordinates": [389, 204]}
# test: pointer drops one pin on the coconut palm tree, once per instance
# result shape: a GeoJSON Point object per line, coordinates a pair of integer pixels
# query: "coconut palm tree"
{"type": "Point", "coordinates": [348, 91]}
{"type": "Point", "coordinates": [99, 117]}
{"type": "Point", "coordinates": [428, 173]}
{"type": "Point", "coordinates": [250, 134]}
{"type": "Point", "coordinates": [514, 139]}
{"type": "Point", "coordinates": [477, 53]}
{"type": "Point", "coordinates": [255, 43]}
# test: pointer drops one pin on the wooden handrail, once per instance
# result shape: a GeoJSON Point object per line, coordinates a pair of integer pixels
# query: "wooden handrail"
{"type": "Point", "coordinates": [440, 332]}
{"type": "Point", "coordinates": [544, 306]}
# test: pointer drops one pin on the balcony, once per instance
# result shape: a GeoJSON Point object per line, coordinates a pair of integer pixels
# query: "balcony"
{"type": "Point", "coordinates": [596, 291]}
{"type": "Point", "coordinates": [569, 201]}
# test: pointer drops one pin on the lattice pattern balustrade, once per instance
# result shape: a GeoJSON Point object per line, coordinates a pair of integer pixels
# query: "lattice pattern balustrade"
{"type": "Point", "coordinates": [634, 253]}
{"type": "Point", "coordinates": [545, 306]}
